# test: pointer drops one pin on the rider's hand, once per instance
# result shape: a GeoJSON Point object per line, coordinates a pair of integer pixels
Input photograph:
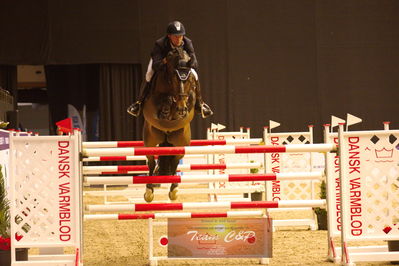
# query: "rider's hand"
{"type": "Point", "coordinates": [164, 60]}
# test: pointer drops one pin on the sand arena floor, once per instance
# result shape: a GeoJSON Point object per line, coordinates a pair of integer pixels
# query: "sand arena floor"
{"type": "Point", "coordinates": [126, 242]}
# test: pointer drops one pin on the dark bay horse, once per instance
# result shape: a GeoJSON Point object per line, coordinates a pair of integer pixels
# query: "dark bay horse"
{"type": "Point", "coordinates": [168, 112]}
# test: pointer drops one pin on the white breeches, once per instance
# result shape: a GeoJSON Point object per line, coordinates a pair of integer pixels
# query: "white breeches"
{"type": "Point", "coordinates": [150, 72]}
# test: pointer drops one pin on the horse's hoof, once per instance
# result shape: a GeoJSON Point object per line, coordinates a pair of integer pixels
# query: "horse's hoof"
{"type": "Point", "coordinates": [149, 195]}
{"type": "Point", "coordinates": [173, 194]}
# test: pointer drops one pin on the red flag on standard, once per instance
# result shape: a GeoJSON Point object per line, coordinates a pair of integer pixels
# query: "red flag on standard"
{"type": "Point", "coordinates": [65, 125]}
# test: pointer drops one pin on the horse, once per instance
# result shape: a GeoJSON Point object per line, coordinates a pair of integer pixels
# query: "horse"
{"type": "Point", "coordinates": [168, 111]}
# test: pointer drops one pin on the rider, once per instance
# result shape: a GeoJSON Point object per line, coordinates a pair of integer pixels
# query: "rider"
{"type": "Point", "coordinates": [175, 38]}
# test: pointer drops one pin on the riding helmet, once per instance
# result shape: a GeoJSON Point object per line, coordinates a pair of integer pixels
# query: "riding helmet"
{"type": "Point", "coordinates": [176, 28]}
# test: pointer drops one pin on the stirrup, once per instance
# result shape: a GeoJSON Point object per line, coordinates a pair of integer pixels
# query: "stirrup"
{"type": "Point", "coordinates": [134, 109]}
{"type": "Point", "coordinates": [206, 110]}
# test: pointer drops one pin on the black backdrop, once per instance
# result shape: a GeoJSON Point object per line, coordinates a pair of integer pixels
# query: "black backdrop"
{"type": "Point", "coordinates": [295, 62]}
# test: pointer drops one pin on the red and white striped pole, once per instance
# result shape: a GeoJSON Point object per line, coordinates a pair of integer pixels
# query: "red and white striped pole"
{"type": "Point", "coordinates": [195, 142]}
{"type": "Point", "coordinates": [131, 158]}
{"type": "Point", "coordinates": [124, 180]}
{"type": "Point", "coordinates": [208, 150]}
{"type": "Point", "coordinates": [163, 215]}
{"type": "Point", "coordinates": [124, 169]}
{"type": "Point", "coordinates": [207, 205]}
{"type": "Point", "coordinates": [114, 158]}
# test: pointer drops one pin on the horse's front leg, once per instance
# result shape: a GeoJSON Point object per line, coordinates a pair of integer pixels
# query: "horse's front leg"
{"type": "Point", "coordinates": [149, 191]}
{"type": "Point", "coordinates": [174, 186]}
{"type": "Point", "coordinates": [179, 137]}
{"type": "Point", "coordinates": [152, 137]}
{"type": "Point", "coordinates": [151, 164]}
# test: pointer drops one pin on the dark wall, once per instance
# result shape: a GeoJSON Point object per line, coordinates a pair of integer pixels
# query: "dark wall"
{"type": "Point", "coordinates": [295, 62]}
{"type": "Point", "coordinates": [68, 32]}
{"type": "Point", "coordinates": [358, 60]}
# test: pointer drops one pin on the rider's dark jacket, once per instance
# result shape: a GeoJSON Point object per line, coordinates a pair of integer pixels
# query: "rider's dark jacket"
{"type": "Point", "coordinates": [162, 47]}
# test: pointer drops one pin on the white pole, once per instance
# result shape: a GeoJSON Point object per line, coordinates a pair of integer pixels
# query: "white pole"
{"type": "Point", "coordinates": [344, 190]}
{"type": "Point", "coordinates": [150, 241]}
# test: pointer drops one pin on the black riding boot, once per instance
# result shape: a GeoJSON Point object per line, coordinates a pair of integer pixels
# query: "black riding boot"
{"type": "Point", "coordinates": [200, 106]}
{"type": "Point", "coordinates": [135, 108]}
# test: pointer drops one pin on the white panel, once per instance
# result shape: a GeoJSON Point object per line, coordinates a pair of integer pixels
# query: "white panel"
{"type": "Point", "coordinates": [30, 73]}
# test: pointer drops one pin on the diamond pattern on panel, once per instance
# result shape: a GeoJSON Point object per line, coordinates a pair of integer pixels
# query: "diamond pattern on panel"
{"type": "Point", "coordinates": [381, 186]}
{"type": "Point", "coordinates": [375, 139]}
{"type": "Point", "coordinates": [297, 140]}
{"type": "Point", "coordinates": [392, 139]}
{"type": "Point", "coordinates": [295, 162]}
{"type": "Point", "coordinates": [35, 214]}
{"type": "Point", "coordinates": [232, 158]}
{"type": "Point", "coordinates": [302, 138]}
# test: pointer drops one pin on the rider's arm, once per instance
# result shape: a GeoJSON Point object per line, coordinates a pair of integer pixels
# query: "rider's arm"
{"type": "Point", "coordinates": [190, 50]}
{"type": "Point", "coordinates": [157, 59]}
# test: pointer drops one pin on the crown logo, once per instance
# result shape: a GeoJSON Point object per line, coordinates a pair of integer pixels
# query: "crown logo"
{"type": "Point", "coordinates": [384, 153]}
{"type": "Point", "coordinates": [177, 25]}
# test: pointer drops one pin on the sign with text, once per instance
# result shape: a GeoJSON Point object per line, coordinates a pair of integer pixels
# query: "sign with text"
{"type": "Point", "coordinates": [220, 237]}
{"type": "Point", "coordinates": [46, 170]}
{"type": "Point", "coordinates": [370, 185]}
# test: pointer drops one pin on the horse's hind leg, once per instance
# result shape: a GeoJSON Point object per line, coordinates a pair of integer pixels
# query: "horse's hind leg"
{"type": "Point", "coordinates": [149, 190]}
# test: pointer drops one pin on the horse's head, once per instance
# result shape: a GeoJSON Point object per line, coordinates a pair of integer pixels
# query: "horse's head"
{"type": "Point", "coordinates": [177, 58]}
{"type": "Point", "coordinates": [182, 82]}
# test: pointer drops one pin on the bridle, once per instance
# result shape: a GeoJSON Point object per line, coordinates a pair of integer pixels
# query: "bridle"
{"type": "Point", "coordinates": [182, 73]}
